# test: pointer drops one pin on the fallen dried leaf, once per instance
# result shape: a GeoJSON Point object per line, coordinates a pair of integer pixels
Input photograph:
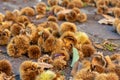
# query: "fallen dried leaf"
{"type": "Point", "coordinates": [65, 11]}
{"type": "Point", "coordinates": [109, 45]}
{"type": "Point", "coordinates": [107, 16]}
{"type": "Point", "coordinates": [99, 46]}
{"type": "Point", "coordinates": [4, 8]}
{"type": "Point", "coordinates": [40, 16]}
{"type": "Point", "coordinates": [106, 21]}
{"type": "Point", "coordinates": [106, 45]}
{"type": "Point", "coordinates": [0, 51]}
{"type": "Point", "coordinates": [44, 65]}
{"type": "Point", "coordinates": [97, 62]}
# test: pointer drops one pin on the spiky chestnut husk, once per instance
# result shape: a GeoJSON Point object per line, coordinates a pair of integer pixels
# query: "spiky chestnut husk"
{"type": "Point", "coordinates": [59, 63]}
{"type": "Point", "coordinates": [86, 1]}
{"type": "Point", "coordinates": [69, 40]}
{"type": "Point", "coordinates": [31, 27]}
{"type": "Point", "coordinates": [49, 25]}
{"type": "Point", "coordinates": [46, 75]}
{"type": "Point", "coordinates": [28, 11]}
{"type": "Point", "coordinates": [61, 17]}
{"type": "Point", "coordinates": [116, 22]}
{"type": "Point", "coordinates": [88, 50]}
{"type": "Point", "coordinates": [10, 16]}
{"type": "Point", "coordinates": [114, 69]}
{"type": "Point", "coordinates": [18, 46]}
{"type": "Point", "coordinates": [112, 76]}
{"type": "Point", "coordinates": [13, 50]}
{"type": "Point", "coordinates": [51, 44]}
{"type": "Point", "coordinates": [71, 16]}
{"type": "Point", "coordinates": [53, 2]}
{"type": "Point", "coordinates": [111, 67]}
{"type": "Point", "coordinates": [16, 12]}
{"type": "Point", "coordinates": [6, 25]}
{"type": "Point", "coordinates": [1, 17]}
{"type": "Point", "coordinates": [35, 36]}
{"type": "Point", "coordinates": [102, 10]}
{"type": "Point", "coordinates": [115, 56]}
{"type": "Point", "coordinates": [77, 10]}
{"type": "Point", "coordinates": [82, 38]}
{"type": "Point", "coordinates": [70, 36]}
{"type": "Point", "coordinates": [4, 76]}
{"type": "Point", "coordinates": [45, 58]}
{"type": "Point", "coordinates": [70, 5]}
{"type": "Point", "coordinates": [64, 3]}
{"type": "Point", "coordinates": [86, 64]}
{"type": "Point", "coordinates": [15, 29]}
{"type": "Point", "coordinates": [34, 52]}
{"type": "Point", "coordinates": [118, 29]}
{"type": "Point", "coordinates": [98, 68]}
{"type": "Point", "coordinates": [78, 3]}
{"type": "Point", "coordinates": [101, 3]}
{"type": "Point", "coordinates": [43, 37]}
{"type": "Point", "coordinates": [58, 53]}
{"type": "Point", "coordinates": [84, 75]}
{"type": "Point", "coordinates": [68, 26]}
{"type": "Point", "coordinates": [40, 35]}
{"type": "Point", "coordinates": [22, 19]}
{"type": "Point", "coordinates": [117, 70]}
{"type": "Point", "coordinates": [102, 6]}
{"type": "Point", "coordinates": [52, 18]}
{"type": "Point", "coordinates": [4, 37]}
{"type": "Point", "coordinates": [5, 67]}
{"type": "Point", "coordinates": [58, 9]}
{"type": "Point", "coordinates": [41, 8]}
{"type": "Point", "coordinates": [118, 4]}
{"type": "Point", "coordinates": [28, 70]}
{"type": "Point", "coordinates": [52, 9]}
{"type": "Point", "coordinates": [59, 76]}
{"type": "Point", "coordinates": [102, 76]}
{"type": "Point", "coordinates": [29, 30]}
{"type": "Point", "coordinates": [82, 17]}
{"type": "Point", "coordinates": [56, 34]}
{"type": "Point", "coordinates": [98, 60]}
{"type": "Point", "coordinates": [113, 3]}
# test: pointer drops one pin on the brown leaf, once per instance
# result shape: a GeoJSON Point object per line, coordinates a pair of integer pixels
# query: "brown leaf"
{"type": "Point", "coordinates": [109, 45]}
{"type": "Point", "coordinates": [65, 11]}
{"type": "Point", "coordinates": [39, 16]}
{"type": "Point", "coordinates": [99, 46]}
{"type": "Point", "coordinates": [101, 61]}
{"type": "Point", "coordinates": [107, 16]}
{"type": "Point", "coordinates": [43, 65]}
{"type": "Point", "coordinates": [0, 51]}
{"type": "Point", "coordinates": [106, 21]}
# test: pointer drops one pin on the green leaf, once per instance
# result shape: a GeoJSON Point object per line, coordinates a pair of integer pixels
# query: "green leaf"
{"type": "Point", "coordinates": [85, 4]}
{"type": "Point", "coordinates": [48, 8]}
{"type": "Point", "coordinates": [40, 33]}
{"type": "Point", "coordinates": [62, 73]}
{"type": "Point", "coordinates": [109, 47]}
{"type": "Point", "coordinates": [46, 75]}
{"type": "Point", "coordinates": [75, 56]}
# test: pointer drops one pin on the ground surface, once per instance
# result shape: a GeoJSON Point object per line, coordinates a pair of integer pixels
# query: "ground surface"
{"type": "Point", "coordinates": [96, 32]}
